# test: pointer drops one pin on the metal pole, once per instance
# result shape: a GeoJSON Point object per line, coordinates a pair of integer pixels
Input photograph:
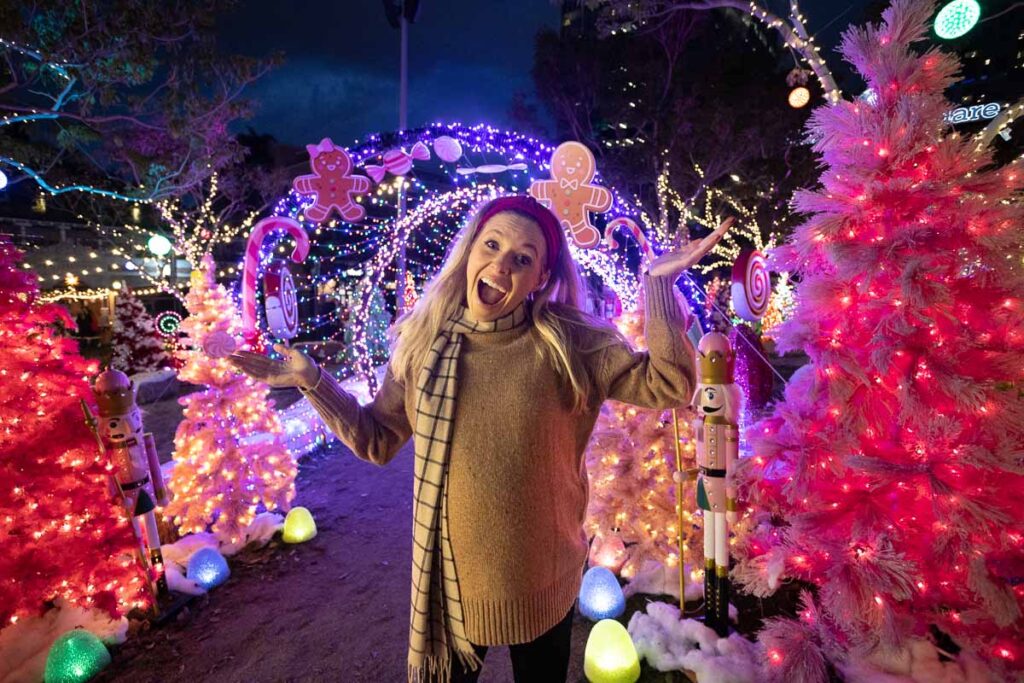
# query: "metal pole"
{"type": "Point", "coordinates": [403, 104]}
{"type": "Point", "coordinates": [679, 514]}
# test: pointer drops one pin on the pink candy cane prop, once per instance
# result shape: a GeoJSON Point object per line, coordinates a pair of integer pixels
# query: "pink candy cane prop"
{"type": "Point", "coordinates": [251, 266]}
{"type": "Point", "coordinates": [634, 230]}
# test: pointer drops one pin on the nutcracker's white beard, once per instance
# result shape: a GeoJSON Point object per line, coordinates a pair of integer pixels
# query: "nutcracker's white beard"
{"type": "Point", "coordinates": [732, 400]}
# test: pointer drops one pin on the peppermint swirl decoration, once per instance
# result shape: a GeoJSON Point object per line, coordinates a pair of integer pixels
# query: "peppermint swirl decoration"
{"type": "Point", "coordinates": [751, 285]}
{"type": "Point", "coordinates": [289, 303]}
{"type": "Point", "coordinates": [167, 324]}
{"type": "Point", "coordinates": [219, 345]}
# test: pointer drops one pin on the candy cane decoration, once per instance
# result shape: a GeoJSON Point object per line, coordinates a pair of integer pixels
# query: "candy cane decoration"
{"type": "Point", "coordinates": [251, 266]}
{"type": "Point", "coordinates": [634, 230]}
{"type": "Point", "coordinates": [751, 285]}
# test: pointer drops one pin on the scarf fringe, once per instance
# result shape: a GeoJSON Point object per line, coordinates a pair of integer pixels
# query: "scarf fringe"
{"type": "Point", "coordinates": [439, 669]}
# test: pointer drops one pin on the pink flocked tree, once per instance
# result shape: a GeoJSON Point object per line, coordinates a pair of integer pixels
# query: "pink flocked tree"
{"type": "Point", "coordinates": [891, 478]}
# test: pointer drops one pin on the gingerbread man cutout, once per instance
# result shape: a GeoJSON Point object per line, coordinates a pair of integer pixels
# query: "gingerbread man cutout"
{"type": "Point", "coordinates": [570, 194]}
{"type": "Point", "coordinates": [330, 181]}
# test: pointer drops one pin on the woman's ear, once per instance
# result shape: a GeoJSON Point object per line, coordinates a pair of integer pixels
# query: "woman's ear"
{"type": "Point", "coordinates": [543, 281]}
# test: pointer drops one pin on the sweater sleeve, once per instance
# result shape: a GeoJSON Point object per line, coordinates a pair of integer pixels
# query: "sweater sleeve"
{"type": "Point", "coordinates": [662, 377]}
{"type": "Point", "coordinates": [375, 431]}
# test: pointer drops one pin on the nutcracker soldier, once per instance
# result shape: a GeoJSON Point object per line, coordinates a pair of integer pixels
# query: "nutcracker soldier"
{"type": "Point", "coordinates": [136, 478]}
{"type": "Point", "coordinates": [718, 402]}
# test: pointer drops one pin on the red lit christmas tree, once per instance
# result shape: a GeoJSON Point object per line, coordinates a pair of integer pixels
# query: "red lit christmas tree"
{"type": "Point", "coordinates": [62, 535]}
{"type": "Point", "coordinates": [229, 455]}
{"type": "Point", "coordinates": [137, 347]}
{"type": "Point", "coordinates": [892, 475]}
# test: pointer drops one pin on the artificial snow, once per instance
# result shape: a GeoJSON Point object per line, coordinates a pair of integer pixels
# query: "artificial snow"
{"type": "Point", "coordinates": [669, 643]}
{"type": "Point", "coordinates": [177, 554]}
{"type": "Point", "coordinates": [919, 662]}
{"type": "Point", "coordinates": [26, 643]}
{"type": "Point", "coordinates": [153, 377]}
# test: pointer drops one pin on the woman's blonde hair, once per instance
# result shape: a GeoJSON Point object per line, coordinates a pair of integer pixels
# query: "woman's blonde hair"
{"type": "Point", "coordinates": [556, 314]}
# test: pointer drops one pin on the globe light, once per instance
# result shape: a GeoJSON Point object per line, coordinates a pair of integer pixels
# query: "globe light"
{"type": "Point", "coordinates": [76, 656]}
{"type": "Point", "coordinates": [298, 526]}
{"type": "Point", "coordinates": [957, 18]}
{"type": "Point", "coordinates": [799, 97]}
{"type": "Point", "coordinates": [610, 656]}
{"type": "Point", "coordinates": [600, 595]}
{"type": "Point", "coordinates": [3, 180]}
{"type": "Point", "coordinates": [159, 245]}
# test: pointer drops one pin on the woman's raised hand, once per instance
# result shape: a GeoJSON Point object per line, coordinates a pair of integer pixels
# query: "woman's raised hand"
{"type": "Point", "coordinates": [296, 369]}
{"type": "Point", "coordinates": [676, 262]}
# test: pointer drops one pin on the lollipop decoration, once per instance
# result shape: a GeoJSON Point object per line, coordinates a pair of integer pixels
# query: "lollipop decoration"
{"type": "Point", "coordinates": [281, 303]}
{"type": "Point", "coordinates": [448, 149]}
{"type": "Point", "coordinates": [219, 344]}
{"type": "Point", "coordinates": [751, 285]}
{"type": "Point", "coordinates": [570, 195]}
{"type": "Point", "coordinates": [398, 162]}
{"type": "Point", "coordinates": [251, 266]}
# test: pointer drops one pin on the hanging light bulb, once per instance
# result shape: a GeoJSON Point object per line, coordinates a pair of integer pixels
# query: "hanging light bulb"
{"type": "Point", "coordinates": [799, 97]}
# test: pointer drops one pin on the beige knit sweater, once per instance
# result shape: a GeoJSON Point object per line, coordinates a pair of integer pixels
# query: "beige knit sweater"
{"type": "Point", "coordinates": [517, 479]}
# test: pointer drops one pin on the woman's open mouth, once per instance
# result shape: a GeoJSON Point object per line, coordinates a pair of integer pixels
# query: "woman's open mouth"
{"type": "Point", "coordinates": [490, 292]}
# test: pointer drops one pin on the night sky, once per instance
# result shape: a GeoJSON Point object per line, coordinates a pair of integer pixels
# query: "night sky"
{"type": "Point", "coordinates": [467, 58]}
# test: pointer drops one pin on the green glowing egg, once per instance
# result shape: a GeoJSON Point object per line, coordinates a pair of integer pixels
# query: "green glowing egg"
{"type": "Point", "coordinates": [74, 657]}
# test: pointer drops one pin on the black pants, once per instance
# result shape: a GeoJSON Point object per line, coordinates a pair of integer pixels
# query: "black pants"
{"type": "Point", "coordinates": [544, 660]}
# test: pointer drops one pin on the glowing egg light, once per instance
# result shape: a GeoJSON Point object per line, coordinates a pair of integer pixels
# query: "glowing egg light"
{"type": "Point", "coordinates": [208, 568]}
{"type": "Point", "coordinates": [608, 551]}
{"type": "Point", "coordinates": [76, 656]}
{"type": "Point", "coordinates": [610, 656]}
{"type": "Point", "coordinates": [298, 526]}
{"type": "Point", "coordinates": [600, 595]}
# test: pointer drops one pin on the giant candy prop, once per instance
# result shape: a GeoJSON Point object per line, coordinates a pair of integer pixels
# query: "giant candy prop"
{"type": "Point", "coordinates": [751, 285]}
{"type": "Point", "coordinates": [398, 161]}
{"type": "Point", "coordinates": [282, 309]}
{"type": "Point", "coordinates": [630, 226]}
{"type": "Point", "coordinates": [570, 195]}
{"type": "Point", "coordinates": [335, 188]}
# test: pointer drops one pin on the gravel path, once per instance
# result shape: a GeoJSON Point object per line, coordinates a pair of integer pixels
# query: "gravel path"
{"type": "Point", "coordinates": [333, 609]}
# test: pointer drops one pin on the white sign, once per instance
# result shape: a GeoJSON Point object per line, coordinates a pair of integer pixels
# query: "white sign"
{"type": "Point", "coordinates": [973, 113]}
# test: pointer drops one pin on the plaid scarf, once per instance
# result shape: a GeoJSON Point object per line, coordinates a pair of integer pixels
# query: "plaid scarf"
{"type": "Point", "coordinates": [436, 620]}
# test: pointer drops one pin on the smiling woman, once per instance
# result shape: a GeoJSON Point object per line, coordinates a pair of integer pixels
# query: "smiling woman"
{"type": "Point", "coordinates": [512, 255]}
{"type": "Point", "coordinates": [499, 376]}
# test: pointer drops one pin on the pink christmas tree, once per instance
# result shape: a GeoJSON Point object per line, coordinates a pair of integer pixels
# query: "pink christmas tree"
{"type": "Point", "coordinates": [229, 454]}
{"type": "Point", "coordinates": [137, 348]}
{"type": "Point", "coordinates": [892, 476]}
{"type": "Point", "coordinates": [632, 513]}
